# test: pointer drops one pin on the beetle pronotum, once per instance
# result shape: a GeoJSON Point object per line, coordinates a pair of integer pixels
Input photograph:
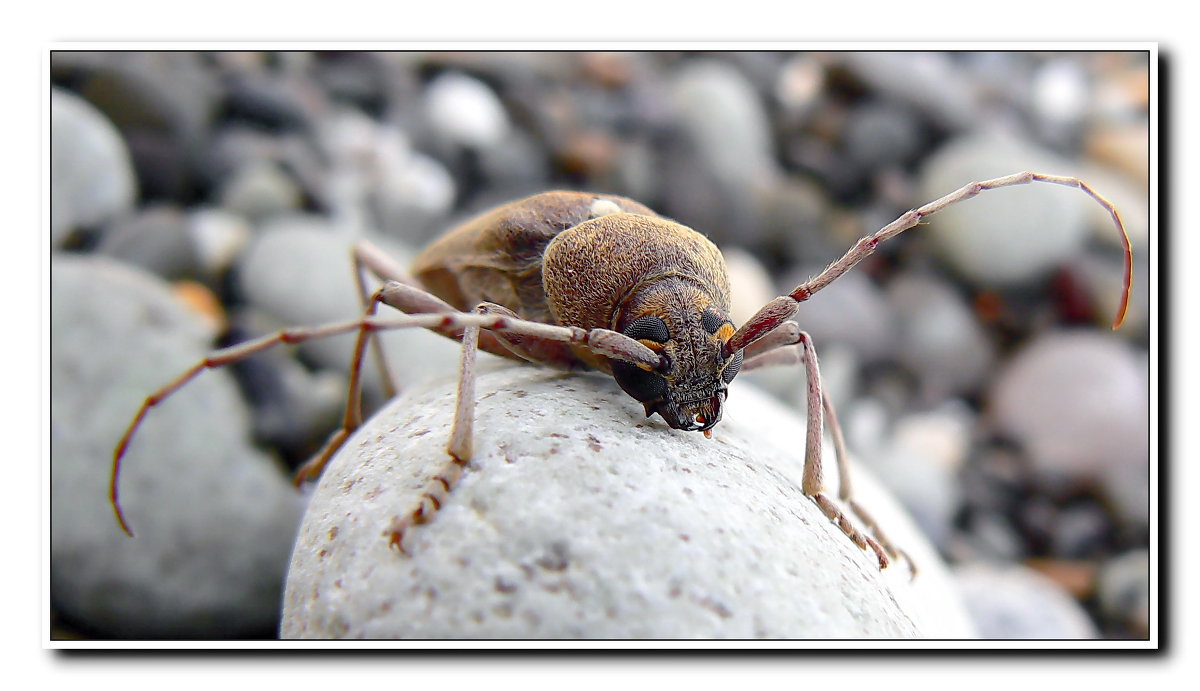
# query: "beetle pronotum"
{"type": "Point", "coordinates": [576, 280]}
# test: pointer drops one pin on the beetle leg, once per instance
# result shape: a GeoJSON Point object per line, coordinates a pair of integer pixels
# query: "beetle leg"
{"type": "Point", "coordinates": [540, 351]}
{"type": "Point", "coordinates": [813, 481]}
{"type": "Point", "coordinates": [459, 449]}
{"type": "Point", "coordinates": [352, 418]}
{"type": "Point", "coordinates": [370, 259]}
{"type": "Point", "coordinates": [611, 344]}
{"type": "Point", "coordinates": [789, 345]}
{"type": "Point", "coordinates": [218, 358]}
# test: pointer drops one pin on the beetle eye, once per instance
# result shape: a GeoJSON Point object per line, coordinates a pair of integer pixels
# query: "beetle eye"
{"type": "Point", "coordinates": [650, 328]}
{"type": "Point", "coordinates": [637, 382]}
{"type": "Point", "coordinates": [711, 321]}
{"type": "Point", "coordinates": [731, 370]}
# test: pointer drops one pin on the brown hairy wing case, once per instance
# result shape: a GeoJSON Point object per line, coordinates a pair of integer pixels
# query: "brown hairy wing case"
{"type": "Point", "coordinates": [497, 256]}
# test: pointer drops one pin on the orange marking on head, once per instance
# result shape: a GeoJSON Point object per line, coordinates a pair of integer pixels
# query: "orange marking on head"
{"type": "Point", "coordinates": [725, 332]}
{"type": "Point", "coordinates": [652, 345]}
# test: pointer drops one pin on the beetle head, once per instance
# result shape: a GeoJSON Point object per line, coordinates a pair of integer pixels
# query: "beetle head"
{"type": "Point", "coordinates": [688, 390]}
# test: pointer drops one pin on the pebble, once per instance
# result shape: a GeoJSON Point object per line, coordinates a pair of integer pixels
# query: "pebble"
{"type": "Point", "coordinates": [464, 111]}
{"type": "Point", "coordinates": [939, 338]}
{"type": "Point", "coordinates": [720, 159]}
{"type": "Point", "coordinates": [1003, 237]}
{"type": "Point", "coordinates": [1122, 146]}
{"type": "Point", "coordinates": [258, 190]}
{"type": "Point", "coordinates": [413, 196]}
{"type": "Point", "coordinates": [366, 80]}
{"type": "Point", "coordinates": [992, 537]}
{"type": "Point", "coordinates": [1123, 590]}
{"type": "Point", "coordinates": [800, 83]}
{"type": "Point", "coordinates": [295, 409]}
{"type": "Point", "coordinates": [1060, 98]}
{"type": "Point", "coordinates": [1017, 603]}
{"type": "Point", "coordinates": [214, 517]}
{"type": "Point", "coordinates": [751, 287]}
{"type": "Point", "coordinates": [266, 100]}
{"type": "Point", "coordinates": [918, 459]}
{"type": "Point", "coordinates": [155, 238]}
{"type": "Point", "coordinates": [796, 222]}
{"type": "Point", "coordinates": [378, 180]}
{"type": "Point", "coordinates": [218, 238]}
{"type": "Point", "coordinates": [203, 302]}
{"type": "Point", "coordinates": [882, 135]}
{"type": "Point", "coordinates": [1076, 401]}
{"type": "Point", "coordinates": [579, 518]}
{"type": "Point", "coordinates": [1079, 531]}
{"type": "Point", "coordinates": [725, 119]}
{"type": "Point", "coordinates": [91, 174]}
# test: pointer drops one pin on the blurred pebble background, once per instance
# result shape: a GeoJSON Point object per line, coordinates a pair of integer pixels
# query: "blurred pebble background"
{"type": "Point", "coordinates": [199, 199]}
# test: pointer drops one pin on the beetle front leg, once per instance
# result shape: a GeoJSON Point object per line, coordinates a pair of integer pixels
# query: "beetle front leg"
{"type": "Point", "coordinates": [778, 348]}
{"type": "Point", "coordinates": [459, 449]}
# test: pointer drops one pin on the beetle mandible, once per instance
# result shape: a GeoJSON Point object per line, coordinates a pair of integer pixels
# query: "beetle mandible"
{"type": "Point", "coordinates": [596, 281]}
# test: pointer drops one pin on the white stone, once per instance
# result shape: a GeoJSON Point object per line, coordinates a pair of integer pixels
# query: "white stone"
{"type": "Point", "coordinates": [723, 114]}
{"type": "Point", "coordinates": [1015, 602]}
{"type": "Point", "coordinates": [579, 517]}
{"type": "Point", "coordinates": [465, 110]}
{"type": "Point", "coordinates": [91, 174]}
{"type": "Point", "coordinates": [1077, 401]}
{"type": "Point", "coordinates": [218, 237]}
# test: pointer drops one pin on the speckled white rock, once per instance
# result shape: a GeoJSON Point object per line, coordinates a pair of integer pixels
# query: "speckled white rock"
{"type": "Point", "coordinates": [578, 517]}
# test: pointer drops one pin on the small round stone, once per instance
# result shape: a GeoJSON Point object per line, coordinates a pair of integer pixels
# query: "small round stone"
{"type": "Point", "coordinates": [91, 173]}
{"type": "Point", "coordinates": [465, 111]}
{"type": "Point", "coordinates": [1017, 603]}
{"type": "Point", "coordinates": [1077, 402]}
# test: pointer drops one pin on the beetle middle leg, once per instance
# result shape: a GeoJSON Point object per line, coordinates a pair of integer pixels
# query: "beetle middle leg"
{"type": "Point", "coordinates": [788, 345]}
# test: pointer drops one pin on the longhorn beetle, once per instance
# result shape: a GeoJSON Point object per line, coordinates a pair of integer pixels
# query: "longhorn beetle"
{"type": "Point", "coordinates": [576, 280]}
